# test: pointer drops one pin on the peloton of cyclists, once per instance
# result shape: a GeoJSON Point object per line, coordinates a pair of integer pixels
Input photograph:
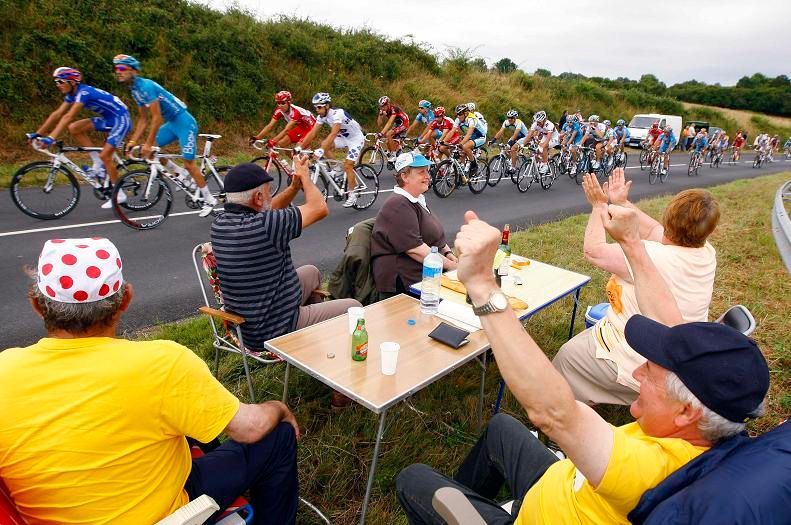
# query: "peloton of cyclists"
{"type": "Point", "coordinates": [299, 122]}
{"type": "Point", "coordinates": [517, 134]}
{"type": "Point", "coordinates": [113, 119]}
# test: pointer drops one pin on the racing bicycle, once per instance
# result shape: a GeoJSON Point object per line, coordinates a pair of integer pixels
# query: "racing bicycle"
{"type": "Point", "coordinates": [454, 172]}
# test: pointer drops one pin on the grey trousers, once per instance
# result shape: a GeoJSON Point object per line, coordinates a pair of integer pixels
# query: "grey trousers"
{"type": "Point", "coordinates": [312, 310]}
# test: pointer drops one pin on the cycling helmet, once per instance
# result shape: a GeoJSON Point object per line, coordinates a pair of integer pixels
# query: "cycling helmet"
{"type": "Point", "coordinates": [655, 124]}
{"type": "Point", "coordinates": [571, 118]}
{"type": "Point", "coordinates": [67, 73]}
{"type": "Point", "coordinates": [384, 100]}
{"type": "Point", "coordinates": [607, 123]}
{"type": "Point", "coordinates": [620, 122]}
{"type": "Point", "coordinates": [668, 129]}
{"type": "Point", "coordinates": [439, 111]}
{"type": "Point", "coordinates": [461, 108]}
{"type": "Point", "coordinates": [593, 118]}
{"type": "Point", "coordinates": [126, 60]}
{"type": "Point", "coordinates": [512, 113]}
{"type": "Point", "coordinates": [424, 104]}
{"type": "Point", "coordinates": [471, 106]}
{"type": "Point", "coordinates": [283, 96]}
{"type": "Point", "coordinates": [321, 98]}
{"type": "Point", "coordinates": [538, 117]}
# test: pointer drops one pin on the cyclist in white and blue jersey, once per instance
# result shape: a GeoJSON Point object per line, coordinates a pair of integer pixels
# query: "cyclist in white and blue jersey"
{"type": "Point", "coordinates": [425, 116]}
{"type": "Point", "coordinates": [571, 137]}
{"type": "Point", "coordinates": [113, 119]}
{"type": "Point", "coordinates": [517, 131]}
{"type": "Point", "coordinates": [473, 133]}
{"type": "Point", "coordinates": [170, 122]}
{"type": "Point", "coordinates": [621, 133]}
{"type": "Point", "coordinates": [543, 130]}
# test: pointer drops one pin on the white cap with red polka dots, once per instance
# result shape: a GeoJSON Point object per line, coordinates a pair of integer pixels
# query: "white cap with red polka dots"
{"type": "Point", "coordinates": [79, 270]}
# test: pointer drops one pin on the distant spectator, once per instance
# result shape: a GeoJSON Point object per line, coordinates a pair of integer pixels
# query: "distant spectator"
{"type": "Point", "coordinates": [598, 363]}
{"type": "Point", "coordinates": [93, 427]}
{"type": "Point", "coordinates": [690, 137]}
{"type": "Point", "coordinates": [405, 229]}
{"type": "Point", "coordinates": [251, 243]}
{"type": "Point", "coordinates": [563, 118]}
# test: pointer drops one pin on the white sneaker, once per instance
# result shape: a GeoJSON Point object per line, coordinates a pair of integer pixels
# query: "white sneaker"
{"type": "Point", "coordinates": [351, 200]}
{"type": "Point", "coordinates": [109, 203]}
{"type": "Point", "coordinates": [208, 206]}
{"type": "Point", "coordinates": [543, 168]}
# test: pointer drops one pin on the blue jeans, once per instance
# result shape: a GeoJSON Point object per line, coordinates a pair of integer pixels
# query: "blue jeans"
{"type": "Point", "coordinates": [268, 469]}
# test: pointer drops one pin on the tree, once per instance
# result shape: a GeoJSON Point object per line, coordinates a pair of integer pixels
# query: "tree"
{"type": "Point", "coordinates": [479, 64]}
{"type": "Point", "coordinates": [505, 65]}
{"type": "Point", "coordinates": [650, 84]}
{"type": "Point", "coordinates": [543, 72]}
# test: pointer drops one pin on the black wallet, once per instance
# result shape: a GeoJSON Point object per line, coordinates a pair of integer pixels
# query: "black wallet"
{"type": "Point", "coordinates": [450, 335]}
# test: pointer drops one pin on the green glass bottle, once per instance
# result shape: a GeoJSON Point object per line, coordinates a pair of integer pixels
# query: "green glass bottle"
{"type": "Point", "coordinates": [360, 342]}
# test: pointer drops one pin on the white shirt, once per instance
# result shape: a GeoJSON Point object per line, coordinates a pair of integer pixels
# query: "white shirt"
{"type": "Point", "coordinates": [398, 190]}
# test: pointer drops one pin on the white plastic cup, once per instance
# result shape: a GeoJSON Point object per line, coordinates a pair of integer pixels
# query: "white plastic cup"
{"type": "Point", "coordinates": [389, 357]}
{"type": "Point", "coordinates": [355, 314]}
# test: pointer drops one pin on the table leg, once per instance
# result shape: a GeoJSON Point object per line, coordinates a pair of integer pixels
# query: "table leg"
{"type": "Point", "coordinates": [285, 383]}
{"type": "Point", "coordinates": [574, 312]}
{"type": "Point", "coordinates": [375, 460]}
{"type": "Point", "coordinates": [500, 393]}
{"type": "Point", "coordinates": [483, 384]}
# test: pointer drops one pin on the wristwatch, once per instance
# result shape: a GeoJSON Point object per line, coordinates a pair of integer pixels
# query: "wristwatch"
{"type": "Point", "coordinates": [497, 302]}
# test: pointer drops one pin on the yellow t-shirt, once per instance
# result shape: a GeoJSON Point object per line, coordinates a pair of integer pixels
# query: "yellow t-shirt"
{"type": "Point", "coordinates": [92, 430]}
{"type": "Point", "coordinates": [638, 463]}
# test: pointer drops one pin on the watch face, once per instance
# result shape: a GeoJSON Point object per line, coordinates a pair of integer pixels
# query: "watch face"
{"type": "Point", "coordinates": [499, 300]}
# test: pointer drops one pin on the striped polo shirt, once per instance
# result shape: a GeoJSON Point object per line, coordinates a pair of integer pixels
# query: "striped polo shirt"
{"type": "Point", "coordinates": [257, 276]}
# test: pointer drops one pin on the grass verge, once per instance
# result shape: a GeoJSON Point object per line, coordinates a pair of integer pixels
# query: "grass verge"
{"type": "Point", "coordinates": [437, 426]}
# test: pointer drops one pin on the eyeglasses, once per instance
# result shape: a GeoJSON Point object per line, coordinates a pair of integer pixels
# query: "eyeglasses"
{"type": "Point", "coordinates": [320, 106]}
{"type": "Point", "coordinates": [60, 81]}
{"type": "Point", "coordinates": [282, 103]}
{"type": "Point", "coordinates": [121, 67]}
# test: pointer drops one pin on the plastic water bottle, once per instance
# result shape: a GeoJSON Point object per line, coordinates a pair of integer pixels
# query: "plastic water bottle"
{"type": "Point", "coordinates": [429, 289]}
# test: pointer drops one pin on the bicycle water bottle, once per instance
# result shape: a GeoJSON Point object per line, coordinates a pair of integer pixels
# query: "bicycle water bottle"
{"type": "Point", "coordinates": [429, 289]}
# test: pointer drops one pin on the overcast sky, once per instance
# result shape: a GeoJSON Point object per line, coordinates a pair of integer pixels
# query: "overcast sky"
{"type": "Point", "coordinates": [677, 40]}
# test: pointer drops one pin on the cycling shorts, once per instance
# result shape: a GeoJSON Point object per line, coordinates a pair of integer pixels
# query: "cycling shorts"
{"type": "Point", "coordinates": [477, 143]}
{"type": "Point", "coordinates": [520, 141]}
{"type": "Point", "coordinates": [591, 142]}
{"type": "Point", "coordinates": [297, 133]}
{"type": "Point", "coordinates": [182, 128]}
{"type": "Point", "coordinates": [454, 139]}
{"type": "Point", "coordinates": [353, 144]}
{"type": "Point", "coordinates": [399, 131]}
{"type": "Point", "coordinates": [437, 134]}
{"type": "Point", "coordinates": [117, 128]}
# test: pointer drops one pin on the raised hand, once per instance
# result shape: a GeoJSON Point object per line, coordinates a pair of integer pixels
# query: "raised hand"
{"type": "Point", "coordinates": [593, 191]}
{"type": "Point", "coordinates": [623, 224]}
{"type": "Point", "coordinates": [476, 243]}
{"type": "Point", "coordinates": [618, 187]}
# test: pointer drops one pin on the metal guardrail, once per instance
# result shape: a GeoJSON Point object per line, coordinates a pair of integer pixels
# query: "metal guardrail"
{"type": "Point", "coordinates": [781, 224]}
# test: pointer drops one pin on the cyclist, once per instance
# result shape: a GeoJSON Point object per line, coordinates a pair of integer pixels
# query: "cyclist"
{"type": "Point", "coordinates": [594, 138]}
{"type": "Point", "coordinates": [517, 131]}
{"type": "Point", "coordinates": [425, 115]}
{"type": "Point", "coordinates": [787, 147]}
{"type": "Point", "coordinates": [170, 122]}
{"type": "Point", "coordinates": [738, 142]}
{"type": "Point", "coordinates": [345, 132]}
{"type": "Point", "coordinates": [113, 119]}
{"type": "Point", "coordinates": [665, 144]}
{"type": "Point", "coordinates": [474, 130]}
{"type": "Point", "coordinates": [609, 136]}
{"type": "Point", "coordinates": [473, 109]}
{"type": "Point", "coordinates": [396, 122]}
{"type": "Point", "coordinates": [571, 138]}
{"type": "Point", "coordinates": [621, 133]}
{"type": "Point", "coordinates": [722, 144]}
{"type": "Point", "coordinates": [653, 134]}
{"type": "Point", "coordinates": [437, 128]}
{"type": "Point", "coordinates": [774, 145]}
{"type": "Point", "coordinates": [762, 143]}
{"type": "Point", "coordinates": [544, 132]}
{"type": "Point", "coordinates": [299, 122]}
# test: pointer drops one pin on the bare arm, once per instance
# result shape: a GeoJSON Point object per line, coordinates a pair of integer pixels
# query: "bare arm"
{"type": "Point", "coordinates": [251, 423]}
{"type": "Point", "coordinates": [284, 131]}
{"type": "Point", "coordinates": [306, 141]}
{"type": "Point", "coordinates": [156, 122]}
{"type": "Point", "coordinates": [263, 133]}
{"type": "Point", "coordinates": [548, 400]}
{"type": "Point", "coordinates": [315, 207]}
{"type": "Point", "coordinates": [66, 119]}
{"type": "Point", "coordinates": [53, 118]}
{"type": "Point", "coordinates": [600, 253]}
{"type": "Point", "coordinates": [389, 124]}
{"type": "Point", "coordinates": [418, 253]}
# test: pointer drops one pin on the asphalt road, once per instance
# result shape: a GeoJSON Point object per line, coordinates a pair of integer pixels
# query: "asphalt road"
{"type": "Point", "coordinates": [159, 264]}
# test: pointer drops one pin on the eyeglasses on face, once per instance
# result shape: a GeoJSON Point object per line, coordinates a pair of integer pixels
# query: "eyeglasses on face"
{"type": "Point", "coordinates": [120, 67]}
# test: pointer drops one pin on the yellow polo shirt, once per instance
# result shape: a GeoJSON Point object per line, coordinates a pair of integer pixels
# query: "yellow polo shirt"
{"type": "Point", "coordinates": [92, 430]}
{"type": "Point", "coordinates": [638, 463]}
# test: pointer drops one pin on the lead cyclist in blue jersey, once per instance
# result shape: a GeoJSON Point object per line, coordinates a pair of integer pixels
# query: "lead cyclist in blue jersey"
{"type": "Point", "coordinates": [665, 144]}
{"type": "Point", "coordinates": [113, 119]}
{"type": "Point", "coordinates": [170, 121]}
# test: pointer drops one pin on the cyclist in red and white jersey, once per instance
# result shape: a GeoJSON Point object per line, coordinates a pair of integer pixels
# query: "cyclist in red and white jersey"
{"type": "Point", "coordinates": [299, 121]}
{"type": "Point", "coordinates": [547, 136]}
{"type": "Point", "coordinates": [738, 142]}
{"type": "Point", "coordinates": [395, 120]}
{"type": "Point", "coordinates": [441, 124]}
{"type": "Point", "coordinates": [653, 133]}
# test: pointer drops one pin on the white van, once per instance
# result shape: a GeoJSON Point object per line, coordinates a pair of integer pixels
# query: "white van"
{"type": "Point", "coordinates": [639, 125]}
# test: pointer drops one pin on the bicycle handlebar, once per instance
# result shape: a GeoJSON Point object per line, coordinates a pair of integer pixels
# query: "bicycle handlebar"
{"type": "Point", "coordinates": [132, 156]}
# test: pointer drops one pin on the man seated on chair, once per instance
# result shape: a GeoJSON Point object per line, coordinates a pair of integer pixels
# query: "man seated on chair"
{"type": "Point", "coordinates": [251, 244]}
{"type": "Point", "coordinates": [599, 363]}
{"type": "Point", "coordinates": [699, 385]}
{"type": "Point", "coordinates": [93, 427]}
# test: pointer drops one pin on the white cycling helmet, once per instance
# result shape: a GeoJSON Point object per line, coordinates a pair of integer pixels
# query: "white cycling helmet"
{"type": "Point", "coordinates": [593, 118]}
{"type": "Point", "coordinates": [607, 123]}
{"type": "Point", "coordinates": [321, 98]}
{"type": "Point", "coordinates": [471, 106]}
{"type": "Point", "coordinates": [620, 122]}
{"type": "Point", "coordinates": [384, 100]}
{"type": "Point", "coordinates": [512, 113]}
{"type": "Point", "coordinates": [541, 115]}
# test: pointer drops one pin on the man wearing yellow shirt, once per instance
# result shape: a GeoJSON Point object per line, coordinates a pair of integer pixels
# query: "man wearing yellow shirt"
{"type": "Point", "coordinates": [93, 428]}
{"type": "Point", "coordinates": [699, 385]}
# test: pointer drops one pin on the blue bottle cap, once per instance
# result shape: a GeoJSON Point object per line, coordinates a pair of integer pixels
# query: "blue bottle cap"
{"type": "Point", "coordinates": [411, 322]}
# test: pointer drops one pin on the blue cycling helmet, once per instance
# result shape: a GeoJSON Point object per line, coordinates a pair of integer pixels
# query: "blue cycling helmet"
{"type": "Point", "coordinates": [321, 98]}
{"type": "Point", "coordinates": [620, 122]}
{"type": "Point", "coordinates": [127, 60]}
{"type": "Point", "coordinates": [424, 104]}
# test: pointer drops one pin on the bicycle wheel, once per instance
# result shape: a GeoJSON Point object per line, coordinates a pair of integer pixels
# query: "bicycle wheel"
{"type": "Point", "coordinates": [546, 179]}
{"type": "Point", "coordinates": [445, 178]}
{"type": "Point", "coordinates": [525, 176]}
{"type": "Point", "coordinates": [367, 178]}
{"type": "Point", "coordinates": [148, 200]}
{"type": "Point", "coordinates": [374, 157]}
{"type": "Point", "coordinates": [44, 192]}
{"type": "Point", "coordinates": [521, 160]}
{"type": "Point", "coordinates": [757, 162]}
{"type": "Point", "coordinates": [623, 160]}
{"type": "Point", "coordinates": [274, 172]}
{"type": "Point", "coordinates": [656, 168]}
{"type": "Point", "coordinates": [644, 159]}
{"type": "Point", "coordinates": [691, 167]}
{"type": "Point", "coordinates": [480, 180]}
{"type": "Point", "coordinates": [497, 167]}
{"type": "Point", "coordinates": [663, 175]}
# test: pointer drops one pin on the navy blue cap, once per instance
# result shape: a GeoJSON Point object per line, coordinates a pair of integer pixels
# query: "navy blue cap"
{"type": "Point", "coordinates": [247, 176]}
{"type": "Point", "coordinates": [724, 368]}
